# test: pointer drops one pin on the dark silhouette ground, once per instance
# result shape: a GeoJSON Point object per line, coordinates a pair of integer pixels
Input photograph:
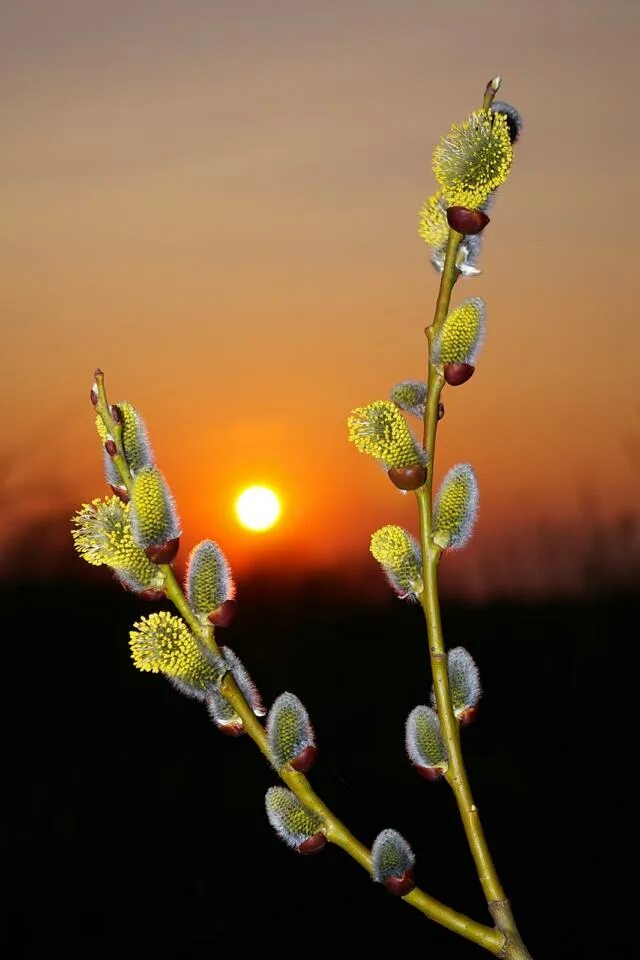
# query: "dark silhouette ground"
{"type": "Point", "coordinates": [132, 825]}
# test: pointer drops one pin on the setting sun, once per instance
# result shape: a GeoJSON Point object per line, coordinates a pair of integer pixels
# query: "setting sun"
{"type": "Point", "coordinates": [258, 508]}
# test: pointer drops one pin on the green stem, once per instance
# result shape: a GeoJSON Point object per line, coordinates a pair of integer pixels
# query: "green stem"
{"type": "Point", "coordinates": [447, 280]}
{"type": "Point", "coordinates": [456, 774]}
{"type": "Point", "coordinates": [435, 378]}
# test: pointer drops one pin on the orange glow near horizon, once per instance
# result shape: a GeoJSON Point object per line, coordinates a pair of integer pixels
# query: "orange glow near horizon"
{"type": "Point", "coordinates": [217, 204]}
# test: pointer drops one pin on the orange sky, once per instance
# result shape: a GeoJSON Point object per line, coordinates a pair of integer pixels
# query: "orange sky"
{"type": "Point", "coordinates": [216, 203]}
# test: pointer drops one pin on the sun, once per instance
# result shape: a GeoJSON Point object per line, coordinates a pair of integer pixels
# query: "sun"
{"type": "Point", "coordinates": [258, 508]}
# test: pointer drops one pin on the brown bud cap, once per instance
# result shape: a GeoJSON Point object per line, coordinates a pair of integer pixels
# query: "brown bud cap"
{"type": "Point", "coordinates": [440, 411]}
{"type": "Point", "coordinates": [93, 396]}
{"type": "Point", "coordinates": [98, 373]}
{"type": "Point", "coordinates": [110, 447]}
{"type": "Point", "coordinates": [467, 716]}
{"type": "Point", "coordinates": [314, 844]}
{"type": "Point", "coordinates": [401, 886]}
{"type": "Point", "coordinates": [165, 552]}
{"type": "Point", "coordinates": [151, 594]}
{"type": "Point", "coordinates": [231, 729]}
{"type": "Point", "coordinates": [115, 413]}
{"type": "Point", "coordinates": [466, 221]}
{"type": "Point", "coordinates": [305, 760]}
{"type": "Point", "coordinates": [224, 615]}
{"type": "Point", "coordinates": [120, 491]}
{"type": "Point", "coordinates": [457, 373]}
{"type": "Point", "coordinates": [429, 773]}
{"type": "Point", "coordinates": [408, 478]}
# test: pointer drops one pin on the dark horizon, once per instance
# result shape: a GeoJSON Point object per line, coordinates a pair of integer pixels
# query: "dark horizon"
{"type": "Point", "coordinates": [575, 562]}
{"type": "Point", "coordinates": [130, 816]}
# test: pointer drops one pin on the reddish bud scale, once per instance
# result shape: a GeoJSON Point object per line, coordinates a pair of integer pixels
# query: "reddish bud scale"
{"type": "Point", "coordinates": [111, 448]}
{"type": "Point", "coordinates": [314, 844]}
{"type": "Point", "coordinates": [120, 491]}
{"type": "Point", "coordinates": [305, 760]}
{"type": "Point", "coordinates": [402, 885]}
{"type": "Point", "coordinates": [98, 373]}
{"type": "Point", "coordinates": [429, 773]}
{"type": "Point", "coordinates": [115, 413]}
{"type": "Point", "coordinates": [440, 411]}
{"type": "Point", "coordinates": [151, 594]}
{"type": "Point", "coordinates": [408, 478]}
{"type": "Point", "coordinates": [457, 373]}
{"type": "Point", "coordinates": [93, 396]}
{"type": "Point", "coordinates": [467, 716]}
{"type": "Point", "coordinates": [165, 552]}
{"type": "Point", "coordinates": [231, 729]}
{"type": "Point", "coordinates": [466, 221]}
{"type": "Point", "coordinates": [224, 615]}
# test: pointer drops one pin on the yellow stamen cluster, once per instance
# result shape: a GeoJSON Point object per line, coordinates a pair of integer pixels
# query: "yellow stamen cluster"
{"type": "Point", "coordinates": [464, 680]}
{"type": "Point", "coordinates": [432, 221]}
{"type": "Point", "coordinates": [208, 580]}
{"type": "Point", "coordinates": [410, 395]}
{"type": "Point", "coordinates": [135, 442]}
{"type": "Point", "coordinates": [456, 507]}
{"type": "Point", "coordinates": [424, 742]}
{"type": "Point", "coordinates": [380, 430]}
{"type": "Point", "coordinates": [391, 855]}
{"type": "Point", "coordinates": [460, 337]}
{"type": "Point", "coordinates": [163, 643]}
{"type": "Point", "coordinates": [399, 555]}
{"type": "Point", "coordinates": [473, 159]}
{"type": "Point", "coordinates": [291, 821]}
{"type": "Point", "coordinates": [102, 430]}
{"type": "Point", "coordinates": [288, 729]}
{"type": "Point", "coordinates": [154, 517]}
{"type": "Point", "coordinates": [103, 537]}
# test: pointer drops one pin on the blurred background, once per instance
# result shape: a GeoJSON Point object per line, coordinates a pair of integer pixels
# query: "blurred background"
{"type": "Point", "coordinates": [216, 202]}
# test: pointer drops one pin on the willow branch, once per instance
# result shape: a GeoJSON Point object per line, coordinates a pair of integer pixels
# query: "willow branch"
{"type": "Point", "coordinates": [335, 831]}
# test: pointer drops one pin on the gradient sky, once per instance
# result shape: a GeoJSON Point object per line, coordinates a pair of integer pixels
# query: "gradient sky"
{"type": "Point", "coordinates": [216, 202]}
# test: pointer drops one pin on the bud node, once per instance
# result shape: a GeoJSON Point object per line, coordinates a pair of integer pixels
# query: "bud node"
{"type": "Point", "coordinates": [458, 373]}
{"type": "Point", "coordinates": [466, 221]}
{"type": "Point", "coordinates": [400, 886]}
{"type": "Point", "coordinates": [305, 759]}
{"type": "Point", "coordinates": [165, 552]}
{"type": "Point", "coordinates": [224, 615]}
{"type": "Point", "coordinates": [408, 478]}
{"type": "Point", "coordinates": [313, 845]}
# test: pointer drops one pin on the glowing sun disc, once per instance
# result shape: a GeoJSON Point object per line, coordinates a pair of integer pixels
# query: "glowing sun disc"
{"type": "Point", "coordinates": [258, 508]}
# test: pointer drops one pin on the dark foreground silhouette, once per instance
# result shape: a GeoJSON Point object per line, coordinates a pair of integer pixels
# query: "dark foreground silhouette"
{"type": "Point", "coordinates": [132, 824]}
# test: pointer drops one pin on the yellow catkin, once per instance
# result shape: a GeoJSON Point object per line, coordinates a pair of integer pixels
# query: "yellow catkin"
{"type": "Point", "coordinates": [288, 729]}
{"type": "Point", "coordinates": [153, 517]}
{"type": "Point", "coordinates": [103, 537]}
{"type": "Point", "coordinates": [460, 337]}
{"type": "Point", "coordinates": [380, 430]}
{"type": "Point", "coordinates": [456, 507]}
{"type": "Point", "coordinates": [432, 221]}
{"type": "Point", "coordinates": [135, 441]}
{"type": "Point", "coordinates": [102, 430]}
{"type": "Point", "coordinates": [162, 643]}
{"type": "Point", "coordinates": [473, 159]}
{"type": "Point", "coordinates": [289, 818]}
{"type": "Point", "coordinates": [398, 554]}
